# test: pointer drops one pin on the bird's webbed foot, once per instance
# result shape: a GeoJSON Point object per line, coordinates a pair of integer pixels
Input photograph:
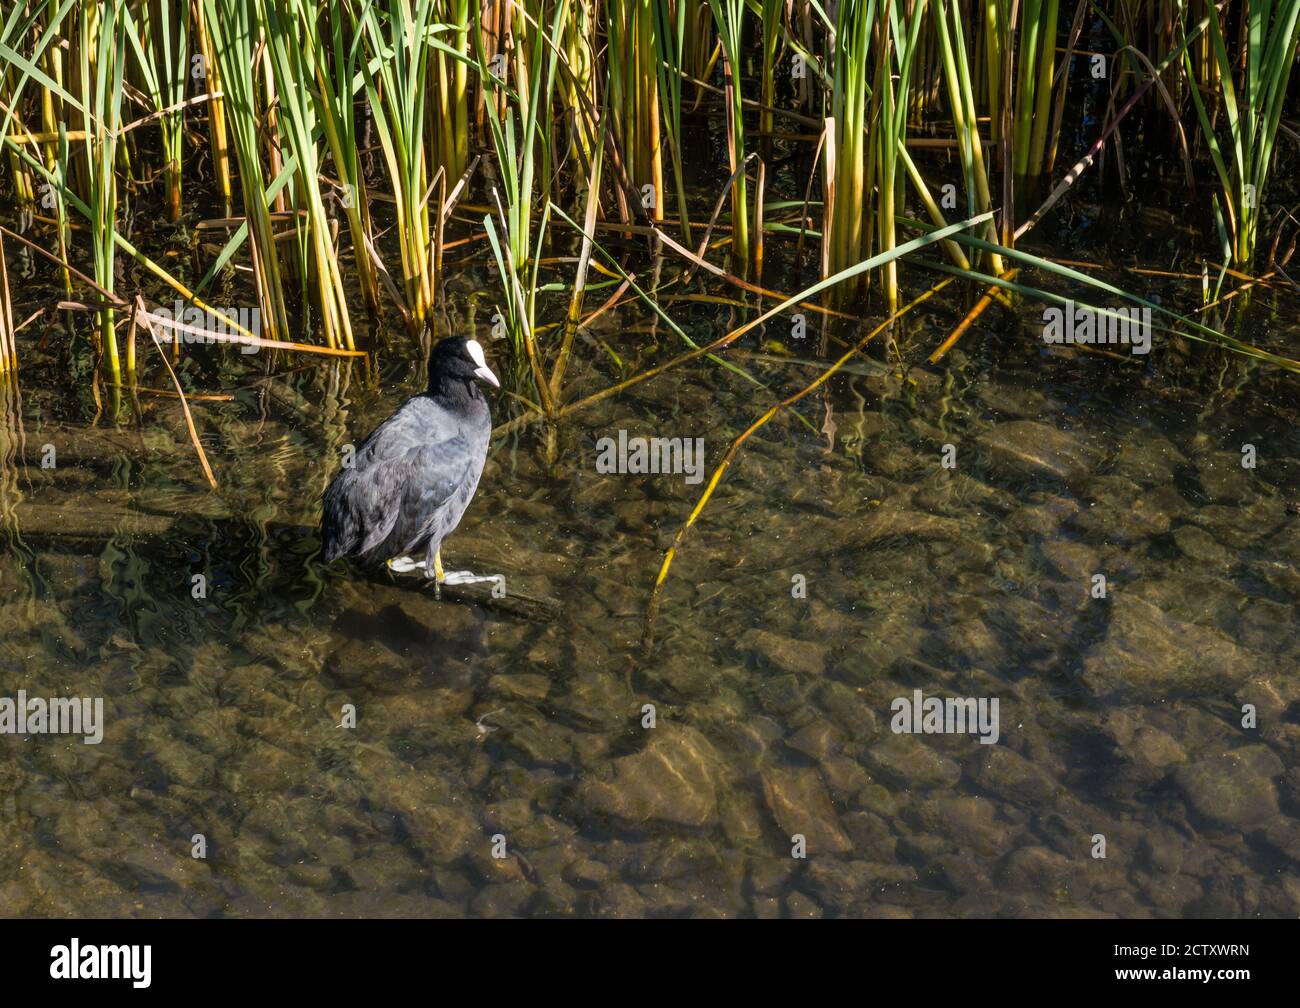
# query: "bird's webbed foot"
{"type": "Point", "coordinates": [469, 577]}
{"type": "Point", "coordinates": [404, 564]}
{"type": "Point", "coordinates": [432, 567]}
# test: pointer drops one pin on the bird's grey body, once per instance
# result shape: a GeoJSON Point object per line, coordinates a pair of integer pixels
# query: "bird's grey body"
{"type": "Point", "coordinates": [409, 484]}
{"type": "Point", "coordinates": [411, 480]}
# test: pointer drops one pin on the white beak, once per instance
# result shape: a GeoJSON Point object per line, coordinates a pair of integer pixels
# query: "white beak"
{"type": "Point", "coordinates": [482, 372]}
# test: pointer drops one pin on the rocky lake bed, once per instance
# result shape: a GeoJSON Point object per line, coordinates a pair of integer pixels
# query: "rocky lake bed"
{"type": "Point", "coordinates": [499, 765]}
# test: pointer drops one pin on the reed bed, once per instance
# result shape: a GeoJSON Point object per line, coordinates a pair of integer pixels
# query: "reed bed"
{"type": "Point", "coordinates": [330, 143]}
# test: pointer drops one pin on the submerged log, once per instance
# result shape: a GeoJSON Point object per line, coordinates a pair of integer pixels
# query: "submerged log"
{"type": "Point", "coordinates": [81, 522]}
{"type": "Point", "coordinates": [87, 446]}
{"type": "Point", "coordinates": [92, 521]}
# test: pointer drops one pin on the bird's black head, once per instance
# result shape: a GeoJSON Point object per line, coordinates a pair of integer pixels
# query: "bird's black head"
{"type": "Point", "coordinates": [456, 360]}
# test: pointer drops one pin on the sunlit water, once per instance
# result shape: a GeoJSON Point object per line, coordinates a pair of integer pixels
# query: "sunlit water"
{"type": "Point", "coordinates": [500, 765]}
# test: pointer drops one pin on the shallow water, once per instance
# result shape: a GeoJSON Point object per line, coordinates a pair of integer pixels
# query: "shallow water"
{"type": "Point", "coordinates": [830, 575]}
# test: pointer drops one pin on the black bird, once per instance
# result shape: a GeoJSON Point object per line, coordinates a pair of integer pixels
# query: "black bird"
{"type": "Point", "coordinates": [412, 479]}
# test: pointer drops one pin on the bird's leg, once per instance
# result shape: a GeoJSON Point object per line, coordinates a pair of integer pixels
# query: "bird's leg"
{"type": "Point", "coordinates": [403, 564]}
{"type": "Point", "coordinates": [433, 568]}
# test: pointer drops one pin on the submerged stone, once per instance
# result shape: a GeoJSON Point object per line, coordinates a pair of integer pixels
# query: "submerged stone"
{"type": "Point", "coordinates": [1223, 478]}
{"type": "Point", "coordinates": [1149, 655]}
{"type": "Point", "coordinates": [1197, 544]}
{"type": "Point", "coordinates": [912, 762]}
{"type": "Point", "coordinates": [787, 653]}
{"type": "Point", "coordinates": [671, 780]}
{"type": "Point", "coordinates": [1149, 460]}
{"type": "Point", "coordinates": [799, 803]}
{"type": "Point", "coordinates": [1233, 788]}
{"type": "Point", "coordinates": [1026, 449]}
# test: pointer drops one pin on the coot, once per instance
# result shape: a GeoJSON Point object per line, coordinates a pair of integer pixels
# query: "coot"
{"type": "Point", "coordinates": [411, 480]}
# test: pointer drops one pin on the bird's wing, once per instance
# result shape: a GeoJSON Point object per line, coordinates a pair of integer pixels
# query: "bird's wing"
{"type": "Point", "coordinates": [442, 469]}
{"type": "Point", "coordinates": [406, 469]}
